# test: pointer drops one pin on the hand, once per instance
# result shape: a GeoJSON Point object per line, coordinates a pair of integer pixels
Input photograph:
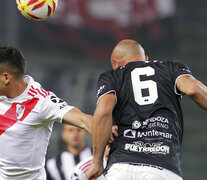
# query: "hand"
{"type": "Point", "coordinates": [94, 171]}
{"type": "Point", "coordinates": [114, 134]}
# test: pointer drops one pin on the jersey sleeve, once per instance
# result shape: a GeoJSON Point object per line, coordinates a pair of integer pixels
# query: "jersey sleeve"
{"type": "Point", "coordinates": [105, 84]}
{"type": "Point", "coordinates": [179, 69]}
{"type": "Point", "coordinates": [78, 174]}
{"type": "Point", "coordinates": [54, 108]}
{"type": "Point", "coordinates": [79, 171]}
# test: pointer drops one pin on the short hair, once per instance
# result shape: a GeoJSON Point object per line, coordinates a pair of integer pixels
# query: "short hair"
{"type": "Point", "coordinates": [12, 60]}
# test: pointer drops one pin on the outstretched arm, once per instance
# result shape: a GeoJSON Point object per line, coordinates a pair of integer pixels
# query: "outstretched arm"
{"type": "Point", "coordinates": [101, 132]}
{"type": "Point", "coordinates": [77, 118]}
{"type": "Point", "coordinates": [196, 90]}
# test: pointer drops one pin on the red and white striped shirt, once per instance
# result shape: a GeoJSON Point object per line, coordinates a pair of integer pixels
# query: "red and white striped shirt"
{"type": "Point", "coordinates": [25, 127]}
{"type": "Point", "coordinates": [81, 168]}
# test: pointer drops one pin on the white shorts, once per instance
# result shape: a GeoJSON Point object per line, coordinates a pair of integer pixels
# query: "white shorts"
{"type": "Point", "coordinates": [121, 171]}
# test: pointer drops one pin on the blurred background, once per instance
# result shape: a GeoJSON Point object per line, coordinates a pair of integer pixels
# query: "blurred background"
{"type": "Point", "coordinates": [67, 52]}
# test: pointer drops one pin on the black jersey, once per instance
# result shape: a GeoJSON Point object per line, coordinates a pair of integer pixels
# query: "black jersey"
{"type": "Point", "coordinates": [147, 112]}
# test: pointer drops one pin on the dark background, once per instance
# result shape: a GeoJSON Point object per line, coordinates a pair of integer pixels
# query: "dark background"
{"type": "Point", "coordinates": [67, 52]}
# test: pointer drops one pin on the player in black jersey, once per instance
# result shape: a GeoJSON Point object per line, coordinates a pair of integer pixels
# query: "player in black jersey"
{"type": "Point", "coordinates": [143, 98]}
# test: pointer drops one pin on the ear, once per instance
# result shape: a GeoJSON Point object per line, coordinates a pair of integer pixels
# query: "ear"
{"type": "Point", "coordinates": [117, 60]}
{"type": "Point", "coordinates": [117, 63]}
{"type": "Point", "coordinates": [7, 77]}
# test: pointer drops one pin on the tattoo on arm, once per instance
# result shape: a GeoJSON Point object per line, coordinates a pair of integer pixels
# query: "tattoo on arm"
{"type": "Point", "coordinates": [95, 150]}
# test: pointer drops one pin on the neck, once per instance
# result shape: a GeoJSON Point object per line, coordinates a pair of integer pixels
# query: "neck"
{"type": "Point", "coordinates": [17, 88]}
{"type": "Point", "coordinates": [74, 150]}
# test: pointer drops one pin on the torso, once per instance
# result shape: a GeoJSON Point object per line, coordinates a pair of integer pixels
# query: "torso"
{"type": "Point", "coordinates": [148, 113]}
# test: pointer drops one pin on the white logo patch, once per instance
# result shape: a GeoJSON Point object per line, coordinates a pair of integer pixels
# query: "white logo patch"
{"type": "Point", "coordinates": [100, 89]}
{"type": "Point", "coordinates": [20, 111]}
{"type": "Point", "coordinates": [154, 148]}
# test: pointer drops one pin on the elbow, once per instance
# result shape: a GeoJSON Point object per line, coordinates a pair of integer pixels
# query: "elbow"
{"type": "Point", "coordinates": [102, 116]}
{"type": "Point", "coordinates": [104, 112]}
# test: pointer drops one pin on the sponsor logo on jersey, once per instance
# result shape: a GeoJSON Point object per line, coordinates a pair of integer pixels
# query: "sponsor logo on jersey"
{"type": "Point", "coordinates": [136, 125]}
{"type": "Point", "coordinates": [154, 133]}
{"type": "Point", "coordinates": [154, 148]}
{"type": "Point", "coordinates": [57, 100]}
{"type": "Point", "coordinates": [75, 176]}
{"type": "Point", "coordinates": [156, 122]}
{"type": "Point", "coordinates": [20, 111]}
{"type": "Point", "coordinates": [187, 70]}
{"type": "Point", "coordinates": [100, 89]}
{"type": "Point", "coordinates": [129, 133]}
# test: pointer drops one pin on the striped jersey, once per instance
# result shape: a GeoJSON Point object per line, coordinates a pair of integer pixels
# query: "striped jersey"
{"type": "Point", "coordinates": [62, 166]}
{"type": "Point", "coordinates": [25, 127]}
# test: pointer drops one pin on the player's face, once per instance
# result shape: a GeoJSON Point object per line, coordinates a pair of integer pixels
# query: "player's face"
{"type": "Point", "coordinates": [74, 136]}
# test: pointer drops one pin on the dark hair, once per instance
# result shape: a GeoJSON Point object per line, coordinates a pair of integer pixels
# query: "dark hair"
{"type": "Point", "coordinates": [12, 60]}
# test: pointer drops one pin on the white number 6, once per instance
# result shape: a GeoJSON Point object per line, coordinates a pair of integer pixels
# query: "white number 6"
{"type": "Point", "coordinates": [139, 85]}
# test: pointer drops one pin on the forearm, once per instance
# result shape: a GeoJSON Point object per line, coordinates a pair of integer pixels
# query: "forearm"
{"type": "Point", "coordinates": [101, 131]}
{"type": "Point", "coordinates": [77, 118]}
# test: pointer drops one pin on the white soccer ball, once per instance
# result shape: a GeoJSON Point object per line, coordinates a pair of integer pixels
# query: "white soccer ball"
{"type": "Point", "coordinates": [37, 10]}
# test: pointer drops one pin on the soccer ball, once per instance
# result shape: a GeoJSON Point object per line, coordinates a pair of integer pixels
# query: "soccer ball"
{"type": "Point", "coordinates": [37, 10]}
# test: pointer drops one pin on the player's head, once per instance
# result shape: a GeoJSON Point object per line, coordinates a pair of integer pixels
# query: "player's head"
{"type": "Point", "coordinates": [126, 51]}
{"type": "Point", "coordinates": [12, 61]}
{"type": "Point", "coordinates": [74, 137]}
{"type": "Point", "coordinates": [12, 68]}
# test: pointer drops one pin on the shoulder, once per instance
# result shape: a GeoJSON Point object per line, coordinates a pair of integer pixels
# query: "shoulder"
{"type": "Point", "coordinates": [177, 63]}
{"type": "Point", "coordinates": [35, 89]}
{"type": "Point", "coordinates": [106, 74]}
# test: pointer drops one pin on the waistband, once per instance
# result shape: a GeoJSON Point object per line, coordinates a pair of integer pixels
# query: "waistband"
{"type": "Point", "coordinates": [148, 165]}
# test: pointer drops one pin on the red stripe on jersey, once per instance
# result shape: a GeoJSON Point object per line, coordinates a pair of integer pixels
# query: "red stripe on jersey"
{"type": "Point", "coordinates": [44, 92]}
{"type": "Point", "coordinates": [10, 117]}
{"type": "Point", "coordinates": [85, 164]}
{"type": "Point", "coordinates": [86, 167]}
{"type": "Point", "coordinates": [41, 93]}
{"type": "Point", "coordinates": [31, 94]}
{"type": "Point", "coordinates": [33, 91]}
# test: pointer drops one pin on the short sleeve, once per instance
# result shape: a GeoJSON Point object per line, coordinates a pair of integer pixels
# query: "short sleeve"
{"type": "Point", "coordinates": [179, 69]}
{"type": "Point", "coordinates": [77, 174]}
{"type": "Point", "coordinates": [106, 84]}
{"type": "Point", "coordinates": [54, 108]}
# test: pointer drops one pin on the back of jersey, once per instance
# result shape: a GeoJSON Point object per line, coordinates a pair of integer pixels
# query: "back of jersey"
{"type": "Point", "coordinates": [147, 112]}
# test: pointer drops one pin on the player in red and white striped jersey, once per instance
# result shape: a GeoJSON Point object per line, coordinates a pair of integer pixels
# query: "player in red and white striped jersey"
{"type": "Point", "coordinates": [79, 172]}
{"type": "Point", "coordinates": [27, 114]}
